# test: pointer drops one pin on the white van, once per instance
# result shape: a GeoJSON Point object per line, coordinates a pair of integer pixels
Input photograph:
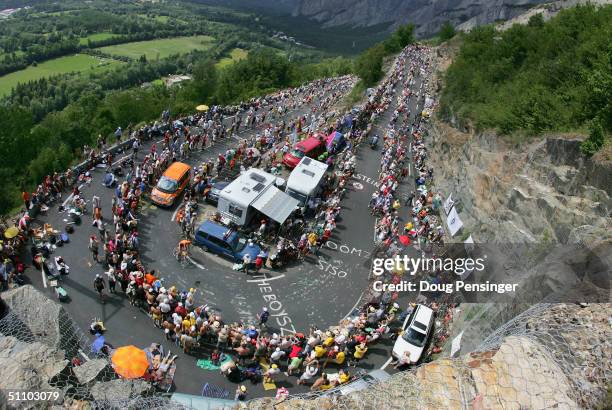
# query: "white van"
{"type": "Point", "coordinates": [306, 179]}
{"type": "Point", "coordinates": [416, 331]}
{"type": "Point", "coordinates": [235, 199]}
{"type": "Point", "coordinates": [255, 190]}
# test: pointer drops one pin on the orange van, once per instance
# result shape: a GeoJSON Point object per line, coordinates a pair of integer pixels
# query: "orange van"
{"type": "Point", "coordinates": [171, 184]}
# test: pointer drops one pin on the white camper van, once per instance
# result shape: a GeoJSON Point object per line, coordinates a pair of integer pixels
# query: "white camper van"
{"type": "Point", "coordinates": [255, 190]}
{"type": "Point", "coordinates": [306, 179]}
{"type": "Point", "coordinates": [236, 198]}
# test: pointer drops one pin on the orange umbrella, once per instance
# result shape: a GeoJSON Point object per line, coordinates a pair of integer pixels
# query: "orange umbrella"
{"type": "Point", "coordinates": [130, 362]}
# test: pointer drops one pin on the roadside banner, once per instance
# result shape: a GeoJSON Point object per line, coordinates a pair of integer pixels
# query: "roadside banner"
{"type": "Point", "coordinates": [456, 344]}
{"type": "Point", "coordinates": [453, 222]}
{"type": "Point", "coordinates": [448, 204]}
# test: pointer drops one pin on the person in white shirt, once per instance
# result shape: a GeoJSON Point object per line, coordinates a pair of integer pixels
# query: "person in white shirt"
{"type": "Point", "coordinates": [277, 355]}
{"type": "Point", "coordinates": [246, 261]}
{"type": "Point", "coordinates": [309, 373]}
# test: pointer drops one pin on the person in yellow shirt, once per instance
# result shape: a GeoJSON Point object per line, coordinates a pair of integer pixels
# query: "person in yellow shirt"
{"type": "Point", "coordinates": [320, 351]}
{"type": "Point", "coordinates": [340, 358]}
{"type": "Point", "coordinates": [192, 319]}
{"type": "Point", "coordinates": [336, 356]}
{"type": "Point", "coordinates": [329, 341]}
{"type": "Point", "coordinates": [343, 377]}
{"type": "Point", "coordinates": [312, 239]}
{"type": "Point", "coordinates": [186, 325]}
{"type": "Point", "coordinates": [360, 351]}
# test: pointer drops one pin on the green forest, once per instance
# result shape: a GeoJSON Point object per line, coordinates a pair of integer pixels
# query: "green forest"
{"type": "Point", "coordinates": [534, 78]}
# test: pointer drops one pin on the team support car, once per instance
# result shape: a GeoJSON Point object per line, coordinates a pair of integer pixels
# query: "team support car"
{"type": "Point", "coordinates": [223, 241]}
{"type": "Point", "coordinates": [171, 184]}
{"type": "Point", "coordinates": [416, 331]}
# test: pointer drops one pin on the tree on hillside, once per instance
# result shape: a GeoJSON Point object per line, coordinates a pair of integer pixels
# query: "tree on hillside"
{"type": "Point", "coordinates": [543, 76]}
{"type": "Point", "coordinates": [595, 140]}
{"type": "Point", "coordinates": [205, 78]}
{"type": "Point", "coordinates": [405, 34]}
{"type": "Point", "coordinates": [447, 31]}
{"type": "Point", "coordinates": [369, 64]}
{"type": "Point", "coordinates": [262, 71]}
{"type": "Point", "coordinates": [400, 38]}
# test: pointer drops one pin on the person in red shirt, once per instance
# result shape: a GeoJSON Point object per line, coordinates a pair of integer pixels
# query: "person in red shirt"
{"type": "Point", "coordinates": [326, 235]}
{"type": "Point", "coordinates": [360, 338]}
{"type": "Point", "coordinates": [296, 349]}
{"type": "Point", "coordinates": [180, 310]}
{"type": "Point", "coordinates": [26, 199]}
{"type": "Point", "coordinates": [139, 280]}
{"type": "Point", "coordinates": [259, 261]}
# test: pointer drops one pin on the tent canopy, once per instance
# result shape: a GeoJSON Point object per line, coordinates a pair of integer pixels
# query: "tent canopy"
{"type": "Point", "coordinates": [275, 204]}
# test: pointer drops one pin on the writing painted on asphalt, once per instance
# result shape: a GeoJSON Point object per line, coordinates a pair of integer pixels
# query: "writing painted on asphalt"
{"type": "Point", "coordinates": [367, 179]}
{"type": "Point", "coordinates": [277, 312]}
{"type": "Point", "coordinates": [328, 267]}
{"type": "Point", "coordinates": [347, 250]}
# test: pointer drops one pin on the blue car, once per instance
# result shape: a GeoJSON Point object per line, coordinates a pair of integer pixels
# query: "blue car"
{"type": "Point", "coordinates": [225, 242]}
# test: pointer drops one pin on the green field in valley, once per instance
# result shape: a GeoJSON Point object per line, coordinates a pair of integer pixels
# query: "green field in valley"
{"type": "Point", "coordinates": [160, 48]}
{"type": "Point", "coordinates": [161, 19]}
{"type": "Point", "coordinates": [62, 65]}
{"type": "Point", "coordinates": [96, 37]}
{"type": "Point", "coordinates": [236, 54]}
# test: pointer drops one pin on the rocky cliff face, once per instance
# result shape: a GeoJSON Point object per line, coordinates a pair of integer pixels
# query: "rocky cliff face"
{"type": "Point", "coordinates": [540, 191]}
{"type": "Point", "coordinates": [427, 15]}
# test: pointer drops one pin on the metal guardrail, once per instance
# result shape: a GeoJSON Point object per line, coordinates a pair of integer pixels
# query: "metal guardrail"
{"type": "Point", "coordinates": [88, 164]}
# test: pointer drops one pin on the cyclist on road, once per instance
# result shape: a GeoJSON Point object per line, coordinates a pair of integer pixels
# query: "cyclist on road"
{"type": "Point", "coordinates": [182, 250]}
{"type": "Point", "coordinates": [183, 246]}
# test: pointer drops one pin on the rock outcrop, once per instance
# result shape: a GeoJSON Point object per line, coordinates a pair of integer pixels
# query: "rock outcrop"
{"type": "Point", "coordinates": [36, 317]}
{"type": "Point", "coordinates": [428, 16]}
{"type": "Point", "coordinates": [543, 190]}
{"type": "Point", "coordinates": [120, 390]}
{"type": "Point", "coordinates": [91, 370]}
{"type": "Point", "coordinates": [547, 10]}
{"type": "Point", "coordinates": [29, 366]}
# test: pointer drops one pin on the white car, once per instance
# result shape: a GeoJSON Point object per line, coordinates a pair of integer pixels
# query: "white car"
{"type": "Point", "coordinates": [416, 331]}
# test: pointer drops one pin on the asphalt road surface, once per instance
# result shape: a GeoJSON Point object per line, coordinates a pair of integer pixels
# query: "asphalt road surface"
{"type": "Point", "coordinates": [321, 291]}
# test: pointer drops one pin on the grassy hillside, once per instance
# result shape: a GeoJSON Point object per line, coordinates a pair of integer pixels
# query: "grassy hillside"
{"type": "Point", "coordinates": [62, 65]}
{"type": "Point", "coordinates": [553, 76]}
{"type": "Point", "coordinates": [95, 37]}
{"type": "Point", "coordinates": [236, 54]}
{"type": "Point", "coordinates": [160, 48]}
